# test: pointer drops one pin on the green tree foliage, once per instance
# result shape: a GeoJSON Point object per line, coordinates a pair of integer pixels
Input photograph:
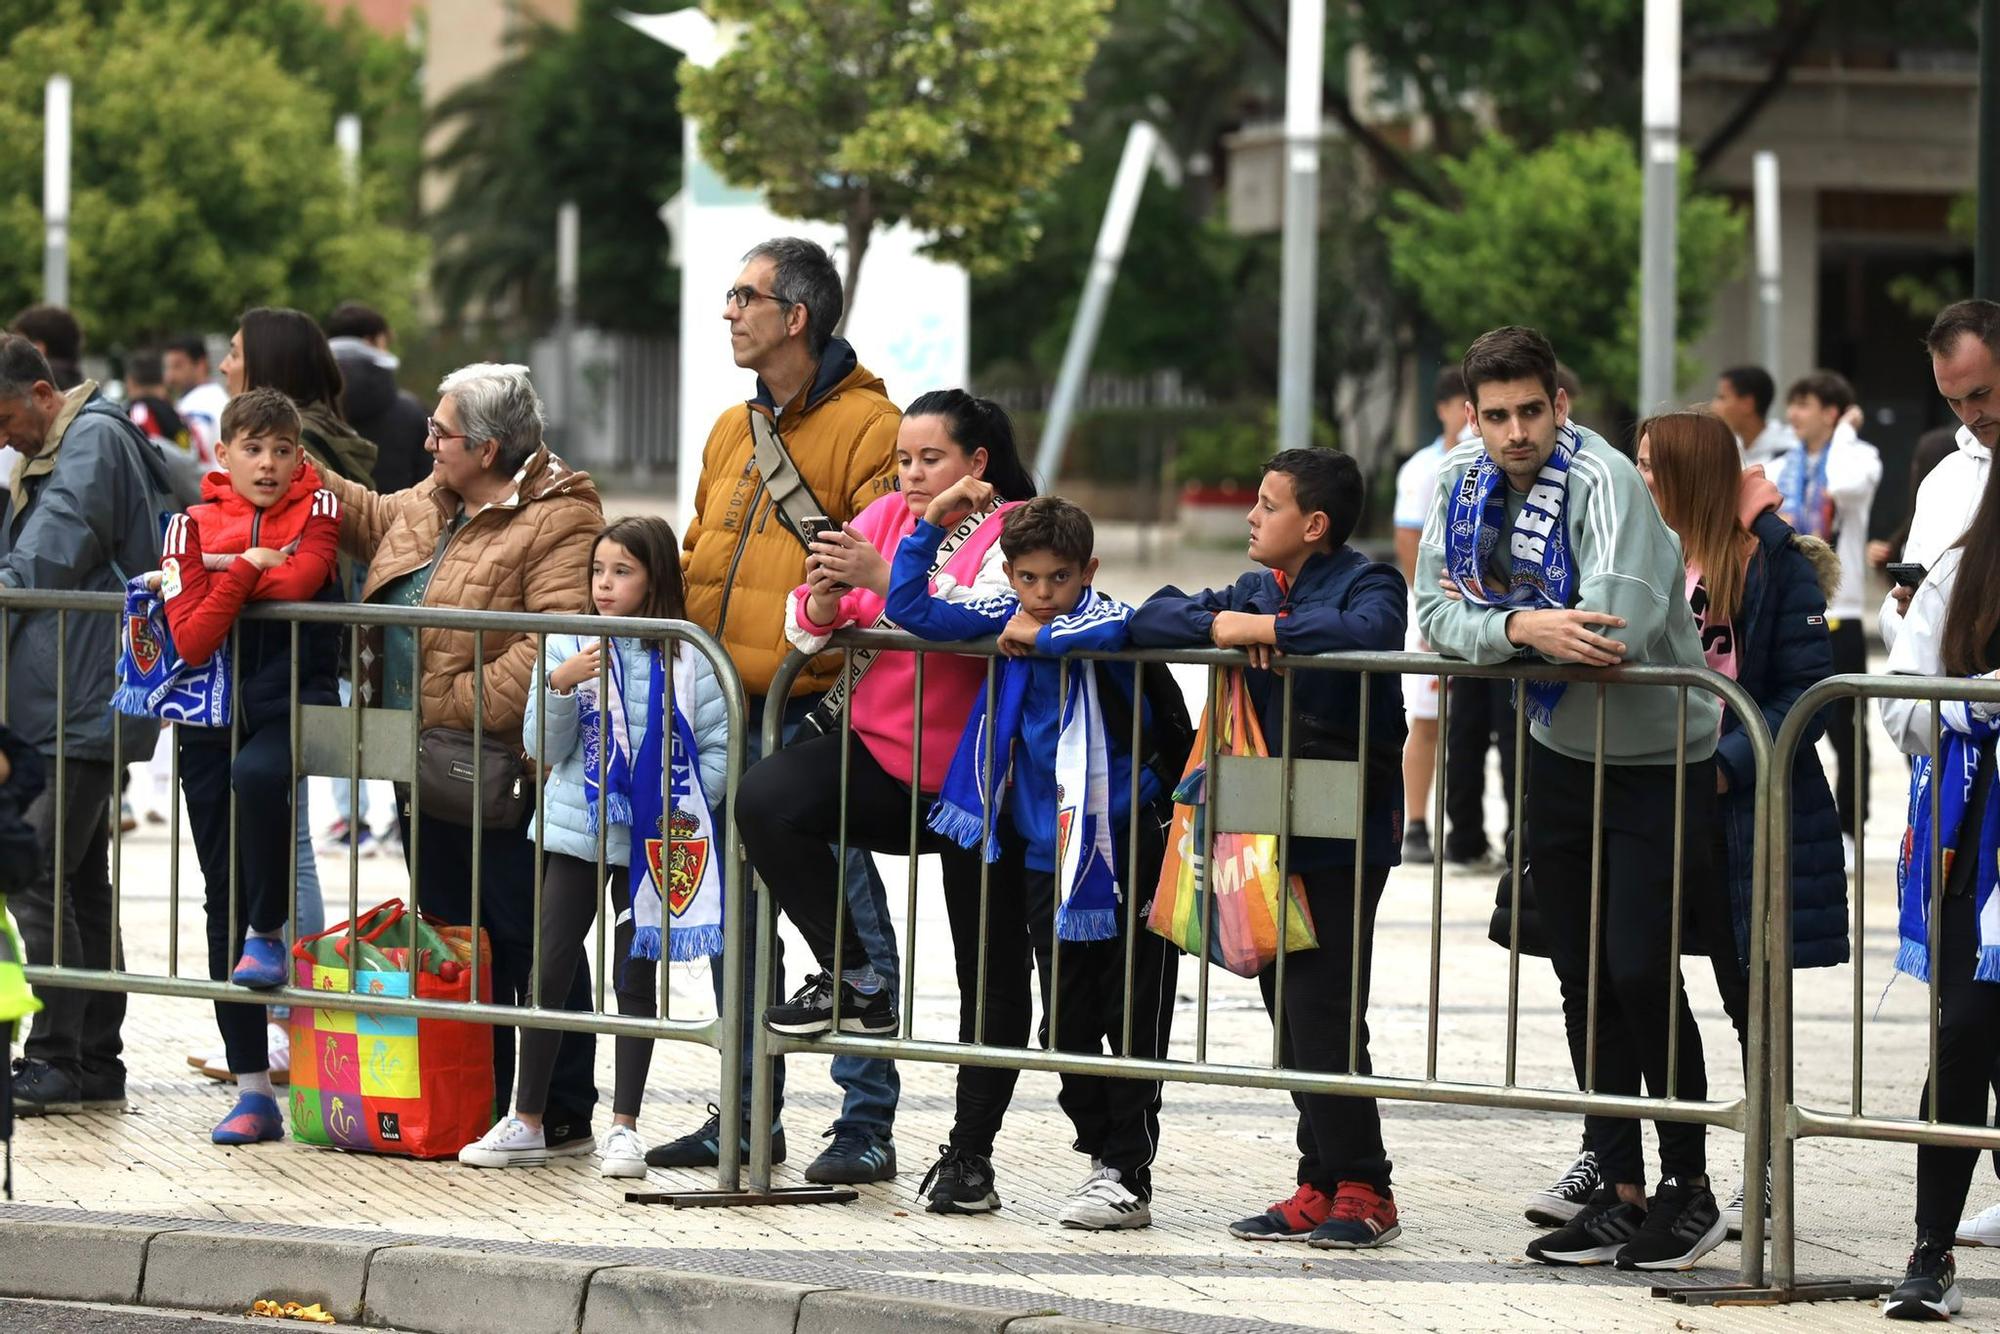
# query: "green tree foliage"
{"type": "Point", "coordinates": [1550, 238]}
{"type": "Point", "coordinates": [584, 113]}
{"type": "Point", "coordinates": [205, 179]}
{"type": "Point", "coordinates": [945, 114]}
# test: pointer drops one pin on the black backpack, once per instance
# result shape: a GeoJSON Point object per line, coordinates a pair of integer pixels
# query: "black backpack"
{"type": "Point", "coordinates": [1169, 735]}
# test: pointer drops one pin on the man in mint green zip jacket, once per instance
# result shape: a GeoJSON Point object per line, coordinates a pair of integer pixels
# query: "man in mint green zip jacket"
{"type": "Point", "coordinates": [1543, 542]}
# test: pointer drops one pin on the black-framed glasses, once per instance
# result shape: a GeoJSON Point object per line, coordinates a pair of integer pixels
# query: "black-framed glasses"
{"type": "Point", "coordinates": [435, 431]}
{"type": "Point", "coordinates": [741, 297]}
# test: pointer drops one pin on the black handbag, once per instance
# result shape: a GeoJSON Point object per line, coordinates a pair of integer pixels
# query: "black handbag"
{"type": "Point", "coordinates": [448, 763]}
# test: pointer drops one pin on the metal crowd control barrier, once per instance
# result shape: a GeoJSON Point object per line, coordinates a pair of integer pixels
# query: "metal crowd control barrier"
{"type": "Point", "coordinates": [1796, 1121]}
{"type": "Point", "coordinates": [1243, 797]}
{"type": "Point", "coordinates": [356, 743]}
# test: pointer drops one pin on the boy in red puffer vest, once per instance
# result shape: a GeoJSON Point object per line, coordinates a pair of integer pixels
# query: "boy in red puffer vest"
{"type": "Point", "coordinates": [267, 532]}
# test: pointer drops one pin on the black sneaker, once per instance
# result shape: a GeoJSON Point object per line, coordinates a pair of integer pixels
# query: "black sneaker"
{"type": "Point", "coordinates": [1417, 844]}
{"type": "Point", "coordinates": [42, 1090]}
{"type": "Point", "coordinates": [1732, 1212]}
{"type": "Point", "coordinates": [809, 1013]}
{"type": "Point", "coordinates": [1929, 1290]}
{"type": "Point", "coordinates": [1600, 1230]}
{"type": "Point", "coordinates": [959, 1183]}
{"type": "Point", "coordinates": [104, 1094]}
{"type": "Point", "coordinates": [703, 1147]}
{"type": "Point", "coordinates": [568, 1139]}
{"type": "Point", "coordinates": [1557, 1204]}
{"type": "Point", "coordinates": [1683, 1223]}
{"type": "Point", "coordinates": [855, 1158]}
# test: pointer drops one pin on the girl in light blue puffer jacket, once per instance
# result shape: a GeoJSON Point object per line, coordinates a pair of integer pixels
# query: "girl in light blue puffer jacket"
{"type": "Point", "coordinates": [609, 754]}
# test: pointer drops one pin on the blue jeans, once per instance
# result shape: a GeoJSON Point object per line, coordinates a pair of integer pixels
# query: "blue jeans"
{"type": "Point", "coordinates": [870, 1087]}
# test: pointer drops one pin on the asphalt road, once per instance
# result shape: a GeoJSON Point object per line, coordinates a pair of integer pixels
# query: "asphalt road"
{"type": "Point", "coordinates": [21, 1317]}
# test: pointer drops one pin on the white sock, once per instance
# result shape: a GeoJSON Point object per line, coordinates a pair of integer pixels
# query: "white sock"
{"type": "Point", "coordinates": [259, 1082]}
{"type": "Point", "coordinates": [275, 933]}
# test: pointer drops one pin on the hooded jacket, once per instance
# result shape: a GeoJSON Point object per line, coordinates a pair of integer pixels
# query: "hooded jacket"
{"type": "Point", "coordinates": [1783, 650]}
{"type": "Point", "coordinates": [206, 589]}
{"type": "Point", "coordinates": [383, 412]}
{"type": "Point", "coordinates": [82, 516]}
{"type": "Point", "coordinates": [1943, 511]}
{"type": "Point", "coordinates": [529, 552]}
{"type": "Point", "coordinates": [740, 560]}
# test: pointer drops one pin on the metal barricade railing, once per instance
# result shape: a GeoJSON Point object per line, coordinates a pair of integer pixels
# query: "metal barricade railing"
{"type": "Point", "coordinates": [353, 743]}
{"type": "Point", "coordinates": [1748, 1115]}
{"type": "Point", "coordinates": [1794, 1120]}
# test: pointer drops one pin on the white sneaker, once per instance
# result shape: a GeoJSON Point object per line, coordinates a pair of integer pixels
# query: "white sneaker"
{"type": "Point", "coordinates": [278, 1050]}
{"type": "Point", "coordinates": [508, 1144]}
{"type": "Point", "coordinates": [1102, 1202]}
{"type": "Point", "coordinates": [1981, 1229]}
{"type": "Point", "coordinates": [1847, 852]}
{"type": "Point", "coordinates": [621, 1153]}
{"type": "Point", "coordinates": [214, 1064]}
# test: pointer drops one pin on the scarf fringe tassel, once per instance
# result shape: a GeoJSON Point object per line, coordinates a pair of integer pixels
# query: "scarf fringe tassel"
{"type": "Point", "coordinates": [1914, 958]}
{"type": "Point", "coordinates": [1086, 924]}
{"type": "Point", "coordinates": [133, 701]}
{"type": "Point", "coordinates": [617, 807]}
{"type": "Point", "coordinates": [963, 827]}
{"type": "Point", "coordinates": [698, 942]}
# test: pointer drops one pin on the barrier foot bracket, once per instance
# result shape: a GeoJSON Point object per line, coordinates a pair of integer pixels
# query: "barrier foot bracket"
{"type": "Point", "coordinates": [1738, 1294]}
{"type": "Point", "coordinates": [737, 1199]}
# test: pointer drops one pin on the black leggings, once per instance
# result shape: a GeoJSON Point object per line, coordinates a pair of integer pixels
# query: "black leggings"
{"type": "Point", "coordinates": [1635, 928]}
{"type": "Point", "coordinates": [569, 906]}
{"type": "Point", "coordinates": [1968, 1043]}
{"type": "Point", "coordinates": [788, 810]}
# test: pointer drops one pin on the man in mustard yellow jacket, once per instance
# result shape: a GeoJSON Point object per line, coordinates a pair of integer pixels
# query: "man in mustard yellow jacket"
{"type": "Point", "coordinates": [742, 562]}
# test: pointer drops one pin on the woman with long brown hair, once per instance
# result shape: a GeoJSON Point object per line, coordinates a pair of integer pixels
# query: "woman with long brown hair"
{"type": "Point", "coordinates": [1952, 629]}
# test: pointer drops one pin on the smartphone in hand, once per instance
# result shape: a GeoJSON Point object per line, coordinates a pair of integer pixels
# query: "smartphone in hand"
{"type": "Point", "coordinates": [817, 526]}
{"type": "Point", "coordinates": [1905, 573]}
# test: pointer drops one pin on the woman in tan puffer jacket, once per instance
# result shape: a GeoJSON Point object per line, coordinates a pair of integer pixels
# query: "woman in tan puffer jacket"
{"type": "Point", "coordinates": [501, 524]}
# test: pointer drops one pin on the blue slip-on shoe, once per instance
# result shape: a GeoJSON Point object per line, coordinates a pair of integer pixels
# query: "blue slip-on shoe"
{"type": "Point", "coordinates": [254, 1119]}
{"type": "Point", "coordinates": [262, 966]}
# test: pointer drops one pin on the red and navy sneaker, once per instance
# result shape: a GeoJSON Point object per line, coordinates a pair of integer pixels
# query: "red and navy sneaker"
{"type": "Point", "coordinates": [254, 1119]}
{"type": "Point", "coordinates": [1361, 1217]}
{"type": "Point", "coordinates": [1287, 1220]}
{"type": "Point", "coordinates": [262, 966]}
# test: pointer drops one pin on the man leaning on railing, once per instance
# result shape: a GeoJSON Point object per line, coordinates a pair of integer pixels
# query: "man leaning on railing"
{"type": "Point", "coordinates": [1544, 541]}
{"type": "Point", "coordinates": [82, 515]}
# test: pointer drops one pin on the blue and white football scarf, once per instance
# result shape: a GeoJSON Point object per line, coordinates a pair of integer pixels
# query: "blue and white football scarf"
{"type": "Point", "coordinates": [1542, 573]}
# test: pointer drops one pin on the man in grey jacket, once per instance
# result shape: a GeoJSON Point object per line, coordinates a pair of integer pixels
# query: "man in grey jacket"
{"type": "Point", "coordinates": [81, 515]}
{"type": "Point", "coordinates": [1544, 543]}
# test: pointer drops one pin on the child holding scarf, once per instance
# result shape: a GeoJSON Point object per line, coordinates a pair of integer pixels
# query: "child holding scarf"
{"type": "Point", "coordinates": [1952, 629]}
{"type": "Point", "coordinates": [607, 753]}
{"type": "Point", "coordinates": [1049, 764]}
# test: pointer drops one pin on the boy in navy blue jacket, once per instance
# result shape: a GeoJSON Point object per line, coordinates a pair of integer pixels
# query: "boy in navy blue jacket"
{"type": "Point", "coordinates": [1068, 799]}
{"type": "Point", "coordinates": [1317, 595]}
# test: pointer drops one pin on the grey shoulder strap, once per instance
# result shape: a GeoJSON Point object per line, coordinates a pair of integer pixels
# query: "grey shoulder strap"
{"type": "Point", "coordinates": [790, 496]}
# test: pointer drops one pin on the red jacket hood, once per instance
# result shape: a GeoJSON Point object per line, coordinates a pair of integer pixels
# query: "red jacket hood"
{"type": "Point", "coordinates": [227, 518]}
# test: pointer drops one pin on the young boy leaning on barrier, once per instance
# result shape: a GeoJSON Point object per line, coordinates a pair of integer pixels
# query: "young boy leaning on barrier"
{"type": "Point", "coordinates": [1316, 594]}
{"type": "Point", "coordinates": [1054, 761]}
{"type": "Point", "coordinates": [266, 532]}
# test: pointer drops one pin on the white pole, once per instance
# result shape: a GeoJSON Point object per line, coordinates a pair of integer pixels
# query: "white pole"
{"type": "Point", "coordinates": [567, 226]}
{"type": "Point", "coordinates": [1141, 143]}
{"type": "Point", "coordinates": [347, 139]}
{"type": "Point", "coordinates": [1770, 290]}
{"type": "Point", "coordinates": [1662, 118]}
{"type": "Point", "coordinates": [55, 190]}
{"type": "Point", "coordinates": [1305, 57]}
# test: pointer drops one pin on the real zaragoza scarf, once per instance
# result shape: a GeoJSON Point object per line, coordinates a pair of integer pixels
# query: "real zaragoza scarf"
{"type": "Point", "coordinates": [1541, 572]}
{"type": "Point", "coordinates": [975, 790]}
{"type": "Point", "coordinates": [1953, 773]}
{"type": "Point", "coordinates": [153, 682]}
{"type": "Point", "coordinates": [675, 864]}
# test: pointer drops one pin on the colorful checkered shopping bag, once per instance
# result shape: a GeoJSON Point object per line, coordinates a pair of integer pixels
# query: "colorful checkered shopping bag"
{"type": "Point", "coordinates": [391, 1083]}
{"type": "Point", "coordinates": [1243, 898]}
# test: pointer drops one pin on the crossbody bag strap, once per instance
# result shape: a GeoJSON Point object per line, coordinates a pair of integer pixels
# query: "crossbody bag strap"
{"type": "Point", "coordinates": [793, 500]}
{"type": "Point", "coordinates": [860, 660]}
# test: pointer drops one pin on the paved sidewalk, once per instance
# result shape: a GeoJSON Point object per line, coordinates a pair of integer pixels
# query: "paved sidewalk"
{"type": "Point", "coordinates": [1461, 1173]}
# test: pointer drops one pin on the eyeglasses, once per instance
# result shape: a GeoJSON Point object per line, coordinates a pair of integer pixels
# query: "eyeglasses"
{"type": "Point", "coordinates": [436, 432]}
{"type": "Point", "coordinates": [741, 297]}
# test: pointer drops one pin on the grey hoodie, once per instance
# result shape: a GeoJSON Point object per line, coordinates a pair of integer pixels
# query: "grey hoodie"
{"type": "Point", "coordinates": [1628, 563]}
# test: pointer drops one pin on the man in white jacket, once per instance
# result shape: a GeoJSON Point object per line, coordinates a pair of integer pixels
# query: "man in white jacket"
{"type": "Point", "coordinates": [1828, 484]}
{"type": "Point", "coordinates": [1964, 343]}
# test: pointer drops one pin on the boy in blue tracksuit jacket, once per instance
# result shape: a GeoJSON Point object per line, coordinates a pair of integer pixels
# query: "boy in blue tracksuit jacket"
{"type": "Point", "coordinates": [1317, 595]}
{"type": "Point", "coordinates": [1053, 610]}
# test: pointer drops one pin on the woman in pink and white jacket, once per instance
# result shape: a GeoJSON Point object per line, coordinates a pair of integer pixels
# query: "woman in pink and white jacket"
{"type": "Point", "coordinates": [788, 806]}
